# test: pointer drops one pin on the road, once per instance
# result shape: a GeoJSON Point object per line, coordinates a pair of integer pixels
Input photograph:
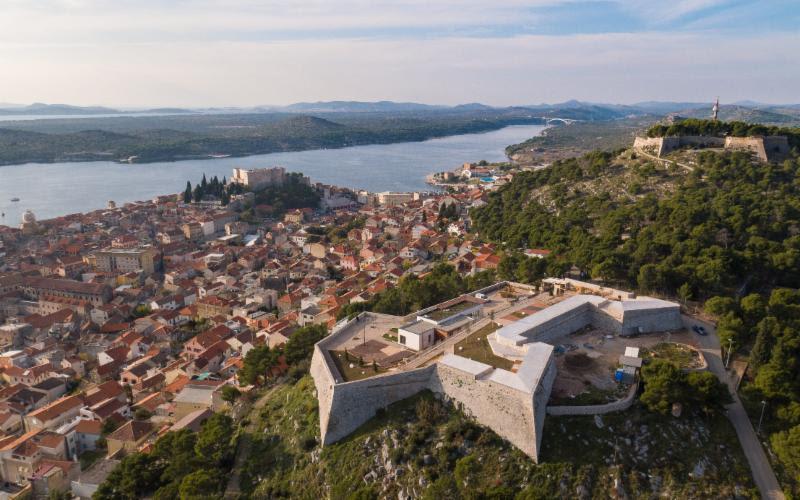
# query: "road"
{"type": "Point", "coordinates": [664, 160]}
{"type": "Point", "coordinates": [760, 467]}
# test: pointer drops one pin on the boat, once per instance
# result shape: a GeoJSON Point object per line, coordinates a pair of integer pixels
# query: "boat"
{"type": "Point", "coordinates": [15, 199]}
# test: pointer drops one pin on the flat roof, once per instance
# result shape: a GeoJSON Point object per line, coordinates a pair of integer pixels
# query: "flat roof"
{"type": "Point", "coordinates": [465, 365]}
{"type": "Point", "coordinates": [515, 331]}
{"type": "Point", "coordinates": [534, 363]}
{"type": "Point", "coordinates": [417, 327]}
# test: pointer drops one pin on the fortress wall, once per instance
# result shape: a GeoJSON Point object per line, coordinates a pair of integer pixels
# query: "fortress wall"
{"type": "Point", "coordinates": [776, 145]}
{"type": "Point", "coordinates": [700, 141]}
{"type": "Point", "coordinates": [508, 412]}
{"type": "Point", "coordinates": [540, 398]}
{"type": "Point", "coordinates": [354, 403]}
{"type": "Point", "coordinates": [562, 325]}
{"type": "Point", "coordinates": [604, 321]}
{"type": "Point", "coordinates": [324, 382]}
{"type": "Point", "coordinates": [752, 144]}
{"type": "Point", "coordinates": [650, 145]}
{"type": "Point", "coordinates": [619, 405]}
{"type": "Point", "coordinates": [652, 320]}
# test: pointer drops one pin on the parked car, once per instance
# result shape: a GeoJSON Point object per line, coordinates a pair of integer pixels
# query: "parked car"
{"type": "Point", "coordinates": [699, 330]}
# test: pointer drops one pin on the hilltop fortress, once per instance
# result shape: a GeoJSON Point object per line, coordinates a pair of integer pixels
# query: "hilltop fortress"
{"type": "Point", "coordinates": [766, 148]}
{"type": "Point", "coordinates": [511, 403]}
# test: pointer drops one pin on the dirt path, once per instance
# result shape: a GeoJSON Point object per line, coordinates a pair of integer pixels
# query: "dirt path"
{"type": "Point", "coordinates": [233, 490]}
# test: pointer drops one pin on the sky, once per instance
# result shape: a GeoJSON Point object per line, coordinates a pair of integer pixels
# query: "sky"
{"type": "Point", "coordinates": [211, 53]}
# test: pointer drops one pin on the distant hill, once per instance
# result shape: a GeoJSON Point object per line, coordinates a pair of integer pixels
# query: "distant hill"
{"type": "Point", "coordinates": [732, 112]}
{"type": "Point", "coordinates": [356, 107]}
{"type": "Point", "coordinates": [39, 108]}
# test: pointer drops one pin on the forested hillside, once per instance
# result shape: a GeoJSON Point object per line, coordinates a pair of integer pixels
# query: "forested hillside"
{"type": "Point", "coordinates": [727, 232]}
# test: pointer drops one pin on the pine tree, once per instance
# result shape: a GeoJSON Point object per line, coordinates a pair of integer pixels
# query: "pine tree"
{"type": "Point", "coordinates": [224, 181]}
{"type": "Point", "coordinates": [204, 183]}
{"type": "Point", "coordinates": [187, 195]}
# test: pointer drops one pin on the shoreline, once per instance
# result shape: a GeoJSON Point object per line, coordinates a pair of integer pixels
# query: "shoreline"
{"type": "Point", "coordinates": [485, 128]}
{"type": "Point", "coordinates": [373, 168]}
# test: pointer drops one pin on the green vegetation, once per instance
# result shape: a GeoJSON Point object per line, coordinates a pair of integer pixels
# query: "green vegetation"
{"type": "Point", "coordinates": [476, 347]}
{"type": "Point", "coordinates": [665, 384]}
{"type": "Point", "coordinates": [182, 464]}
{"type": "Point", "coordinates": [414, 293]}
{"type": "Point", "coordinates": [727, 223]}
{"type": "Point", "coordinates": [214, 189]}
{"type": "Point", "coordinates": [592, 396]}
{"type": "Point", "coordinates": [680, 354]}
{"type": "Point", "coordinates": [567, 141]}
{"type": "Point", "coordinates": [770, 327]}
{"type": "Point", "coordinates": [261, 360]}
{"type": "Point", "coordinates": [426, 446]}
{"type": "Point", "coordinates": [294, 193]}
{"type": "Point", "coordinates": [200, 136]}
{"type": "Point", "coordinates": [694, 126]}
{"type": "Point", "coordinates": [695, 456]}
{"type": "Point", "coordinates": [729, 226]}
{"type": "Point", "coordinates": [440, 314]}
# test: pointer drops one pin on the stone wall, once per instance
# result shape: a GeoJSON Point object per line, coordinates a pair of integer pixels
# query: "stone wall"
{"type": "Point", "coordinates": [349, 405]}
{"type": "Point", "coordinates": [540, 398]}
{"type": "Point", "coordinates": [562, 325]}
{"type": "Point", "coordinates": [769, 148]}
{"type": "Point", "coordinates": [507, 411]}
{"type": "Point", "coordinates": [651, 145]}
{"type": "Point", "coordinates": [512, 412]}
{"type": "Point", "coordinates": [652, 320]}
{"type": "Point", "coordinates": [619, 405]}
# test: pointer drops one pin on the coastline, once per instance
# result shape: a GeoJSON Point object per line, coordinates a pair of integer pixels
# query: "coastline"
{"type": "Point", "coordinates": [52, 190]}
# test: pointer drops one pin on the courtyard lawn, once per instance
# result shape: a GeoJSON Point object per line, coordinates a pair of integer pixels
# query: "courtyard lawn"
{"type": "Point", "coordinates": [476, 347]}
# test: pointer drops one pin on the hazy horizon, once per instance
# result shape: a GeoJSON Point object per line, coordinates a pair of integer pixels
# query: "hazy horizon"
{"type": "Point", "coordinates": [244, 53]}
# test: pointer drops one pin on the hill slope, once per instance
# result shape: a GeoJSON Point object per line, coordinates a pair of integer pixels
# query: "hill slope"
{"type": "Point", "coordinates": [423, 448]}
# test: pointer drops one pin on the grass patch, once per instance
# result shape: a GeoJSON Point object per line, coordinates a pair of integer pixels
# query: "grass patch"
{"type": "Point", "coordinates": [688, 457]}
{"type": "Point", "coordinates": [343, 360]}
{"type": "Point", "coordinates": [592, 396]}
{"type": "Point", "coordinates": [441, 314]}
{"type": "Point", "coordinates": [680, 354]}
{"type": "Point", "coordinates": [443, 454]}
{"type": "Point", "coordinates": [476, 347]}
{"type": "Point", "coordinates": [391, 337]}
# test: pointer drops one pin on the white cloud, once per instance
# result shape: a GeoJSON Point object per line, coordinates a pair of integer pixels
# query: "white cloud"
{"type": "Point", "coordinates": [517, 70]}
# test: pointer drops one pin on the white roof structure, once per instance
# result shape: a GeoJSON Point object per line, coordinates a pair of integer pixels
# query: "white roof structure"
{"type": "Point", "coordinates": [527, 377]}
{"type": "Point", "coordinates": [474, 368]}
{"type": "Point", "coordinates": [514, 332]}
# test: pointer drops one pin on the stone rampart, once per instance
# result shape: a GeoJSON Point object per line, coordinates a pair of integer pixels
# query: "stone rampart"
{"type": "Point", "coordinates": [619, 405]}
{"type": "Point", "coordinates": [768, 148]}
{"type": "Point", "coordinates": [507, 411]}
{"type": "Point", "coordinates": [561, 326]}
{"type": "Point", "coordinates": [352, 404]}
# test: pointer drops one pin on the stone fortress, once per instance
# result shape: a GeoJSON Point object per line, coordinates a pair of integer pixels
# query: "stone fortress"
{"type": "Point", "coordinates": [766, 148]}
{"type": "Point", "coordinates": [769, 148]}
{"type": "Point", "coordinates": [512, 403]}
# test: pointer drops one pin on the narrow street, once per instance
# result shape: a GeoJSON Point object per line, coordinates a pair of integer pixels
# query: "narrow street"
{"type": "Point", "coordinates": [760, 467]}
